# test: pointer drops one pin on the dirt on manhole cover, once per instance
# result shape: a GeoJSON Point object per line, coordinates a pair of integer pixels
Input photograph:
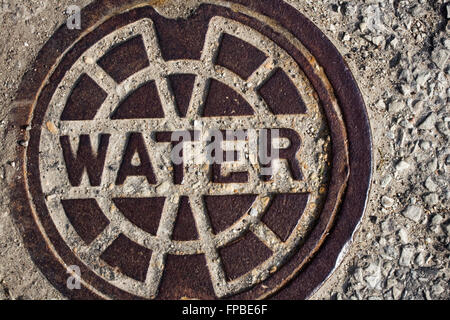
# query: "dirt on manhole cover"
{"type": "Point", "coordinates": [225, 154]}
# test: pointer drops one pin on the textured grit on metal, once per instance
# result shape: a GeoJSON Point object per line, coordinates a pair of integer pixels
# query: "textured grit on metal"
{"type": "Point", "coordinates": [303, 266]}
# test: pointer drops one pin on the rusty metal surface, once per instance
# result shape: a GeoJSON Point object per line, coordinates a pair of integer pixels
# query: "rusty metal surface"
{"type": "Point", "coordinates": [313, 258]}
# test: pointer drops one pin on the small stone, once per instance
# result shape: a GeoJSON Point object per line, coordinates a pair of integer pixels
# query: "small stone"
{"type": "Point", "coordinates": [447, 44]}
{"type": "Point", "coordinates": [420, 259]}
{"type": "Point", "coordinates": [387, 202]}
{"type": "Point", "coordinates": [423, 78]}
{"type": "Point", "coordinates": [389, 252]}
{"type": "Point", "coordinates": [405, 89]}
{"type": "Point", "coordinates": [447, 229]}
{"type": "Point", "coordinates": [437, 219]}
{"type": "Point", "coordinates": [417, 11]}
{"type": "Point", "coordinates": [373, 280]}
{"type": "Point", "coordinates": [380, 105]}
{"type": "Point", "coordinates": [405, 75]}
{"type": "Point", "coordinates": [425, 145]}
{"type": "Point", "coordinates": [51, 197]}
{"type": "Point", "coordinates": [396, 106]}
{"type": "Point", "coordinates": [349, 9]}
{"type": "Point", "coordinates": [3, 295]}
{"type": "Point", "coordinates": [431, 199]}
{"type": "Point", "coordinates": [373, 277]}
{"type": "Point", "coordinates": [429, 122]}
{"type": "Point", "coordinates": [406, 256]}
{"type": "Point", "coordinates": [387, 227]}
{"type": "Point", "coordinates": [363, 26]}
{"type": "Point", "coordinates": [394, 43]}
{"type": "Point", "coordinates": [413, 213]}
{"type": "Point", "coordinates": [254, 212]}
{"type": "Point", "coordinates": [403, 235]}
{"type": "Point", "coordinates": [89, 60]}
{"type": "Point", "coordinates": [418, 105]}
{"type": "Point", "coordinates": [405, 124]}
{"type": "Point", "coordinates": [430, 185]}
{"type": "Point", "coordinates": [440, 58]}
{"type": "Point", "coordinates": [378, 40]}
{"type": "Point", "coordinates": [23, 143]}
{"type": "Point", "coordinates": [436, 229]}
{"type": "Point", "coordinates": [163, 188]}
{"type": "Point", "coordinates": [443, 127]}
{"type": "Point", "coordinates": [432, 165]}
{"type": "Point", "coordinates": [437, 290]}
{"type": "Point", "coordinates": [402, 166]}
{"type": "Point", "coordinates": [385, 181]}
{"type": "Point", "coordinates": [397, 292]}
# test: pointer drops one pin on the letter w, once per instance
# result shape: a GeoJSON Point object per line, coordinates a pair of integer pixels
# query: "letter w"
{"type": "Point", "coordinates": [85, 159]}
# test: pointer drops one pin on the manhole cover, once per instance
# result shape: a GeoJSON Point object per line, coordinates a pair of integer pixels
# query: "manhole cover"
{"type": "Point", "coordinates": [128, 119]}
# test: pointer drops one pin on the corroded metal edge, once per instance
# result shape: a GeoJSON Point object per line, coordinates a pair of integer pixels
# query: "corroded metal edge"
{"type": "Point", "coordinates": [337, 72]}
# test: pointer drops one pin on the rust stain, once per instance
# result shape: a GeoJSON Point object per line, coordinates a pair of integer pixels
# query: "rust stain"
{"type": "Point", "coordinates": [51, 127]}
{"type": "Point", "coordinates": [346, 167]}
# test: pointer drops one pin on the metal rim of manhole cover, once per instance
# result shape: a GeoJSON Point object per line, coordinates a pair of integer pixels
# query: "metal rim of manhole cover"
{"type": "Point", "coordinates": [100, 197]}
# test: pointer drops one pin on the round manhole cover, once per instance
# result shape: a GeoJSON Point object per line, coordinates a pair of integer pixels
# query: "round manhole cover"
{"type": "Point", "coordinates": [226, 154]}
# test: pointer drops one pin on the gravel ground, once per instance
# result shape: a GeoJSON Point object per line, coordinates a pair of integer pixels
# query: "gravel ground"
{"type": "Point", "coordinates": [399, 53]}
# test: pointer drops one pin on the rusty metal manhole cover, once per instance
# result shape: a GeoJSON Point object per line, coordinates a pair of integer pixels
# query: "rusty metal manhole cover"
{"type": "Point", "coordinates": [104, 109]}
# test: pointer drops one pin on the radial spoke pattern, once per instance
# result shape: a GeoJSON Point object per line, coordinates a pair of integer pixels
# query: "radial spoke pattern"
{"type": "Point", "coordinates": [158, 71]}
